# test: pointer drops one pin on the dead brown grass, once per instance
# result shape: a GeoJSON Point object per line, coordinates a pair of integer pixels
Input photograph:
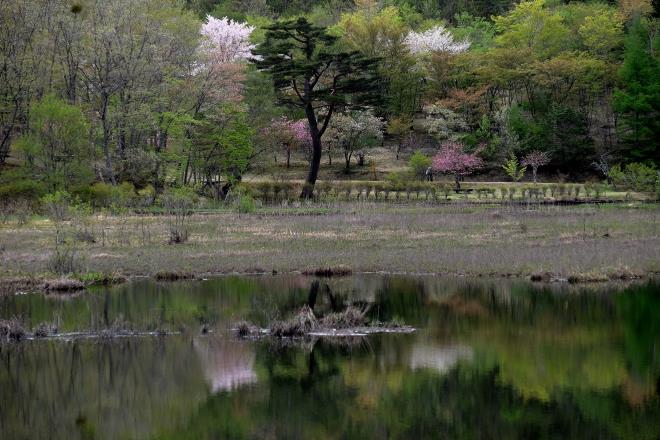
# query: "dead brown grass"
{"type": "Point", "coordinates": [363, 236]}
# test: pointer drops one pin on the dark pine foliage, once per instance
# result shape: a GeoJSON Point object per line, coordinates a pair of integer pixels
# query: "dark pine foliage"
{"type": "Point", "coordinates": [309, 72]}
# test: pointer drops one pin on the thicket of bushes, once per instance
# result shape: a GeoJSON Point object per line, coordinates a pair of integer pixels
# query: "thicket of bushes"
{"type": "Point", "coordinates": [21, 197]}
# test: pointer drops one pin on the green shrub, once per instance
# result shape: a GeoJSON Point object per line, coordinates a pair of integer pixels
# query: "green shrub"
{"type": "Point", "coordinates": [419, 163]}
{"type": "Point", "coordinates": [446, 190]}
{"type": "Point", "coordinates": [430, 191]}
{"type": "Point", "coordinates": [22, 190]}
{"type": "Point", "coordinates": [19, 199]}
{"type": "Point", "coordinates": [513, 169]}
{"type": "Point", "coordinates": [576, 191]}
{"type": "Point", "coordinates": [125, 195]}
{"type": "Point", "coordinates": [512, 193]}
{"type": "Point", "coordinates": [146, 196]}
{"type": "Point", "coordinates": [634, 176]}
{"type": "Point", "coordinates": [100, 194]}
{"type": "Point", "coordinates": [246, 204]}
{"type": "Point", "coordinates": [57, 205]}
{"type": "Point", "coordinates": [104, 195]}
{"type": "Point", "coordinates": [398, 182]}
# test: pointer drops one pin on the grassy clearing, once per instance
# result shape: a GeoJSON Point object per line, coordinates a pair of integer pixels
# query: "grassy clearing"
{"type": "Point", "coordinates": [485, 240]}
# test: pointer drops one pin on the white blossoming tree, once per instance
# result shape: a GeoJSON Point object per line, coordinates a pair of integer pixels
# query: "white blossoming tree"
{"type": "Point", "coordinates": [224, 50]}
{"type": "Point", "coordinates": [352, 132]}
{"type": "Point", "coordinates": [436, 39]}
{"type": "Point", "coordinates": [226, 41]}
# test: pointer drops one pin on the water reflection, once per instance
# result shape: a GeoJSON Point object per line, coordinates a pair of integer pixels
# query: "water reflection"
{"type": "Point", "coordinates": [227, 363]}
{"type": "Point", "coordinates": [490, 359]}
{"type": "Point", "coordinates": [439, 358]}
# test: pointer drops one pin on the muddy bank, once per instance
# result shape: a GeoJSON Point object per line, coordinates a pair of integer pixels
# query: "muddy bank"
{"type": "Point", "coordinates": [37, 284]}
{"type": "Point", "coordinates": [63, 285]}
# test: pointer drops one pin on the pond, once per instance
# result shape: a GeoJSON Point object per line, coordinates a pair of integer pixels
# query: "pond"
{"type": "Point", "coordinates": [489, 359]}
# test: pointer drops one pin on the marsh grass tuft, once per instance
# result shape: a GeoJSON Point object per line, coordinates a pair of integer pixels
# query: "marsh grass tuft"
{"type": "Point", "coordinates": [64, 285]}
{"type": "Point", "coordinates": [332, 271]}
{"type": "Point", "coordinates": [173, 276]}
{"type": "Point", "coordinates": [11, 330]}
{"type": "Point", "coordinates": [351, 317]}
{"type": "Point", "coordinates": [43, 330]}
{"type": "Point", "coordinates": [300, 324]}
{"type": "Point", "coordinates": [245, 329]}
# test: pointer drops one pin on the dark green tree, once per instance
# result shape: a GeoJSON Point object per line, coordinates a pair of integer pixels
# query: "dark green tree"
{"type": "Point", "coordinates": [638, 100]}
{"type": "Point", "coordinates": [309, 72]}
{"type": "Point", "coordinates": [222, 149]}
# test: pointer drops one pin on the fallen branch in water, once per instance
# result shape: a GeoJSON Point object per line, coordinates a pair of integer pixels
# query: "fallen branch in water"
{"type": "Point", "coordinates": [350, 322]}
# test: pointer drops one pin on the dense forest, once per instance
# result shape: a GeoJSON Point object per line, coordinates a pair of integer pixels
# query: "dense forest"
{"type": "Point", "coordinates": [153, 94]}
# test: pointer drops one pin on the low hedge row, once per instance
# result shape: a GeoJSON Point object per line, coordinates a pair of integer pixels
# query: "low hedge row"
{"type": "Point", "coordinates": [273, 192]}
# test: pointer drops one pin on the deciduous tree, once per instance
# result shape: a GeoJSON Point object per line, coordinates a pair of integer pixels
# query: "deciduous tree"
{"type": "Point", "coordinates": [57, 149]}
{"type": "Point", "coordinates": [536, 159]}
{"type": "Point", "coordinates": [353, 131]}
{"type": "Point", "coordinates": [452, 159]}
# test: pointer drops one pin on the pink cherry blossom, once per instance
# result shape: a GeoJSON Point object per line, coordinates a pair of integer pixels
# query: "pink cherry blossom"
{"type": "Point", "coordinates": [451, 159]}
{"type": "Point", "coordinates": [301, 133]}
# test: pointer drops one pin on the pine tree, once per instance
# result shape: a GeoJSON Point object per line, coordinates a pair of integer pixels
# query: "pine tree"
{"type": "Point", "coordinates": [638, 100]}
{"type": "Point", "coordinates": [309, 73]}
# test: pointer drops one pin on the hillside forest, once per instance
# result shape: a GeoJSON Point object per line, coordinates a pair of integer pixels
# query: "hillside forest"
{"type": "Point", "coordinates": [149, 95]}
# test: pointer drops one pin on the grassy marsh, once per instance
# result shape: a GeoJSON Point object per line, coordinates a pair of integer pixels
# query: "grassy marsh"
{"type": "Point", "coordinates": [490, 240]}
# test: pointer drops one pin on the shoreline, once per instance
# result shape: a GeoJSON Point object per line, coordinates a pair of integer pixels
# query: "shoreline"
{"type": "Point", "coordinates": [575, 244]}
{"type": "Point", "coordinates": [34, 284]}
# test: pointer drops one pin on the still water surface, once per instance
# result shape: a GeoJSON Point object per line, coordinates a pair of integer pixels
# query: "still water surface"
{"type": "Point", "coordinates": [490, 359]}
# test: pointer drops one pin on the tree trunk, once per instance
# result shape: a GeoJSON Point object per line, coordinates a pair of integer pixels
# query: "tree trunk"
{"type": "Point", "coordinates": [457, 178]}
{"type": "Point", "coordinates": [534, 174]}
{"type": "Point", "coordinates": [313, 294]}
{"type": "Point", "coordinates": [347, 158]}
{"type": "Point", "coordinates": [288, 158]}
{"type": "Point", "coordinates": [317, 152]}
{"type": "Point", "coordinates": [106, 139]}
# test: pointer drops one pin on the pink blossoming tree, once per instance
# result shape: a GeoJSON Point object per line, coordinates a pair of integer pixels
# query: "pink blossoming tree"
{"type": "Point", "coordinates": [536, 159]}
{"type": "Point", "coordinates": [451, 159]}
{"type": "Point", "coordinates": [290, 135]}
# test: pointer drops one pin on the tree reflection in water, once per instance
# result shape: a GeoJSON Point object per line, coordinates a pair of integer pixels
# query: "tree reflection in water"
{"type": "Point", "coordinates": [490, 359]}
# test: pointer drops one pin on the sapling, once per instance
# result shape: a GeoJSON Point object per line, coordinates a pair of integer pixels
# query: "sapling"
{"type": "Point", "coordinates": [536, 159]}
{"type": "Point", "coordinates": [513, 169]}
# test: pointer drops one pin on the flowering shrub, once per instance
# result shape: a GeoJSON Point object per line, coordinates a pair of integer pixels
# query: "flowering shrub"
{"type": "Point", "coordinates": [451, 159]}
